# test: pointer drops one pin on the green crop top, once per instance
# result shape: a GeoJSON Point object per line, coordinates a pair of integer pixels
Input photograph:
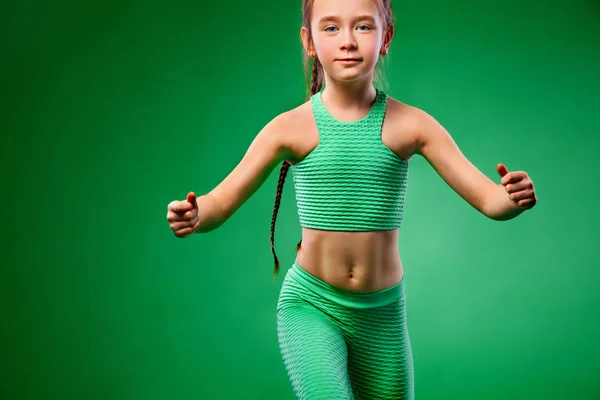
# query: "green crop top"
{"type": "Point", "coordinates": [351, 181]}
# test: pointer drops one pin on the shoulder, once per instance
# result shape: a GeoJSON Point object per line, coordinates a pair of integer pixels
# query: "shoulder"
{"type": "Point", "coordinates": [411, 121]}
{"type": "Point", "coordinates": [404, 115]}
{"type": "Point", "coordinates": [403, 127]}
{"type": "Point", "coordinates": [296, 131]}
{"type": "Point", "coordinates": [296, 115]}
{"type": "Point", "coordinates": [283, 125]}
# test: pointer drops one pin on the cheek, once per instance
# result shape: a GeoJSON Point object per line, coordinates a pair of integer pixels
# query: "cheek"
{"type": "Point", "coordinates": [369, 47]}
{"type": "Point", "coordinates": [326, 48]}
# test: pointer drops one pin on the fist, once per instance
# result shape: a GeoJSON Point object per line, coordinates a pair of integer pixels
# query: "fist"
{"type": "Point", "coordinates": [519, 187]}
{"type": "Point", "coordinates": [183, 216]}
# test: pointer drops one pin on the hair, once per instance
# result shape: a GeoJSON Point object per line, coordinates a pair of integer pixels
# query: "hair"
{"type": "Point", "coordinates": [314, 84]}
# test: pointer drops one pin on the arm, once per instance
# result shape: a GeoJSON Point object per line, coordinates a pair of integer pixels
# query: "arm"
{"type": "Point", "coordinates": [266, 151]}
{"type": "Point", "coordinates": [439, 149]}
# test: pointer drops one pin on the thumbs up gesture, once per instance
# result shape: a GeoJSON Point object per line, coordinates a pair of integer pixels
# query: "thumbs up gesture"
{"type": "Point", "coordinates": [519, 187]}
{"type": "Point", "coordinates": [183, 216]}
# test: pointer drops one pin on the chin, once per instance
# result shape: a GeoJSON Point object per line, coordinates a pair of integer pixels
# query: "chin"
{"type": "Point", "coordinates": [350, 77]}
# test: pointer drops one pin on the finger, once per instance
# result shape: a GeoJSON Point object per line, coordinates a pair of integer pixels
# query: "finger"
{"type": "Point", "coordinates": [189, 215]}
{"type": "Point", "coordinates": [174, 206]}
{"type": "Point", "coordinates": [181, 225]}
{"type": "Point", "coordinates": [518, 186]}
{"type": "Point", "coordinates": [191, 198]}
{"type": "Point", "coordinates": [186, 230]}
{"type": "Point", "coordinates": [512, 177]}
{"type": "Point", "coordinates": [501, 169]}
{"type": "Point", "coordinates": [183, 206]}
{"type": "Point", "coordinates": [174, 214]}
{"type": "Point", "coordinates": [177, 216]}
{"type": "Point", "coordinates": [527, 203]}
{"type": "Point", "coordinates": [521, 195]}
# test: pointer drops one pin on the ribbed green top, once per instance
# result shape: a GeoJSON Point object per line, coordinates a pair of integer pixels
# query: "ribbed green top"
{"type": "Point", "coordinates": [351, 181]}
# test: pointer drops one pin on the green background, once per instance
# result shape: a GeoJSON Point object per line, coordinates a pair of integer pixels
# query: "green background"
{"type": "Point", "coordinates": [112, 109]}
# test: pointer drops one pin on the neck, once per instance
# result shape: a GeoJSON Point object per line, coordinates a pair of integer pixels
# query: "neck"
{"type": "Point", "coordinates": [349, 96]}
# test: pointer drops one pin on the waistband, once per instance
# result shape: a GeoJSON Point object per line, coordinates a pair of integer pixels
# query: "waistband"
{"type": "Point", "coordinates": [345, 297]}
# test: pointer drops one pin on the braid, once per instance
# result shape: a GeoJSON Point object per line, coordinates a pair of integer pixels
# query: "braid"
{"type": "Point", "coordinates": [317, 77]}
{"type": "Point", "coordinates": [315, 87]}
{"type": "Point", "coordinates": [282, 174]}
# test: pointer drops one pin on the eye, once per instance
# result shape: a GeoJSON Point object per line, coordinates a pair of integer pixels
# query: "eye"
{"type": "Point", "coordinates": [328, 29]}
{"type": "Point", "coordinates": [366, 27]}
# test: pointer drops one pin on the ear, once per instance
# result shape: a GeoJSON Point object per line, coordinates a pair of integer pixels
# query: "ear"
{"type": "Point", "coordinates": [387, 40]}
{"type": "Point", "coordinates": [307, 43]}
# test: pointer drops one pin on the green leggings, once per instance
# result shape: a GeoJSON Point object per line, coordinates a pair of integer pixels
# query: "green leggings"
{"type": "Point", "coordinates": [340, 345]}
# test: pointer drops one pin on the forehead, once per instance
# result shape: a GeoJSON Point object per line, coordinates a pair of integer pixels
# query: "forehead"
{"type": "Point", "coordinates": [344, 9]}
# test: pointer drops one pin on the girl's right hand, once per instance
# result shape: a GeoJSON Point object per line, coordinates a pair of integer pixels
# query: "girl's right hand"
{"type": "Point", "coordinates": [183, 216]}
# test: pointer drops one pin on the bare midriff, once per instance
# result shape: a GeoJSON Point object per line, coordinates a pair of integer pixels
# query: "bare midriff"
{"type": "Point", "coordinates": [356, 261]}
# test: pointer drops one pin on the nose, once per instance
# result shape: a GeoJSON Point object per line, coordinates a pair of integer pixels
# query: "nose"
{"type": "Point", "coordinates": [348, 41]}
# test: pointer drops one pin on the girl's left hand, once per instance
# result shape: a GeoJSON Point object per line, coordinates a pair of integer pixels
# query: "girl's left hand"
{"type": "Point", "coordinates": [519, 187]}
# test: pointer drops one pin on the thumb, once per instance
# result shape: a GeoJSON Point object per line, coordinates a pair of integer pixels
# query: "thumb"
{"type": "Point", "coordinates": [501, 169]}
{"type": "Point", "coordinates": [191, 198]}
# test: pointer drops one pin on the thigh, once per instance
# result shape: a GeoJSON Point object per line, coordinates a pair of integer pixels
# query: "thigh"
{"type": "Point", "coordinates": [380, 356]}
{"type": "Point", "coordinates": [314, 353]}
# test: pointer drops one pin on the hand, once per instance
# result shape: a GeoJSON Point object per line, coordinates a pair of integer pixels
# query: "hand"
{"type": "Point", "coordinates": [519, 187]}
{"type": "Point", "coordinates": [183, 216]}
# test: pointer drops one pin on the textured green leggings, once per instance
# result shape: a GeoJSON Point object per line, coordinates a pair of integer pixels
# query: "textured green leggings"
{"type": "Point", "coordinates": [340, 345]}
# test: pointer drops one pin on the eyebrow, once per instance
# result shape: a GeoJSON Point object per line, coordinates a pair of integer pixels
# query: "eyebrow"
{"type": "Point", "coordinates": [335, 18]}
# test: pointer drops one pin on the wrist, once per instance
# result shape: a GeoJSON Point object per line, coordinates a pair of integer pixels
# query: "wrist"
{"type": "Point", "coordinates": [210, 213]}
{"type": "Point", "coordinates": [499, 206]}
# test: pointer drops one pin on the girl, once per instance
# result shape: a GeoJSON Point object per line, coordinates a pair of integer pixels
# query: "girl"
{"type": "Point", "coordinates": [341, 314]}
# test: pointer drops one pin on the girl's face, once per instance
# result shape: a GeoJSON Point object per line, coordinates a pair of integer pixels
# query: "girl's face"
{"type": "Point", "coordinates": [347, 38]}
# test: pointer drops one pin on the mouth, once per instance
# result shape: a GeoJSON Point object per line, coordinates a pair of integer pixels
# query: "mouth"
{"type": "Point", "coordinates": [349, 60]}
